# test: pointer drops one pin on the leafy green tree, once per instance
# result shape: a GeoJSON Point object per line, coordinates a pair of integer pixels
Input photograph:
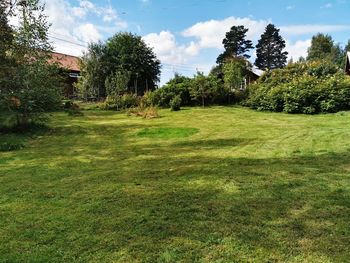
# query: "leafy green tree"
{"type": "Point", "coordinates": [124, 52]}
{"type": "Point", "coordinates": [93, 72]}
{"type": "Point", "coordinates": [235, 44]}
{"type": "Point", "coordinates": [324, 48]}
{"type": "Point", "coordinates": [269, 50]}
{"type": "Point", "coordinates": [35, 86]}
{"type": "Point", "coordinates": [234, 72]}
{"type": "Point", "coordinates": [203, 88]}
{"type": "Point", "coordinates": [338, 56]}
{"type": "Point", "coordinates": [6, 33]}
{"type": "Point", "coordinates": [130, 53]}
{"type": "Point", "coordinates": [217, 71]}
{"type": "Point", "coordinates": [117, 83]}
{"type": "Point", "coordinates": [6, 61]}
{"type": "Point", "coordinates": [321, 47]}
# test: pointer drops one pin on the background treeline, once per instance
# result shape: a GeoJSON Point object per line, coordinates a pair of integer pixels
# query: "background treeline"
{"type": "Point", "coordinates": [123, 68]}
{"type": "Point", "coordinates": [124, 72]}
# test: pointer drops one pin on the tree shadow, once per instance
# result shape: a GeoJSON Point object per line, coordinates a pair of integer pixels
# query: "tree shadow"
{"type": "Point", "coordinates": [146, 199]}
{"type": "Point", "coordinates": [213, 143]}
{"type": "Point", "coordinates": [295, 207]}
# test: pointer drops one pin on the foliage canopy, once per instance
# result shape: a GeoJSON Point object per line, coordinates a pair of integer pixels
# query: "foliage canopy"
{"type": "Point", "coordinates": [125, 57]}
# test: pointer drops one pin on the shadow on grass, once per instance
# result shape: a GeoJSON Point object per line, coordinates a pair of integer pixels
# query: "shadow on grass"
{"type": "Point", "coordinates": [278, 209]}
{"type": "Point", "coordinates": [215, 143]}
{"type": "Point", "coordinates": [165, 207]}
{"type": "Point", "coordinates": [16, 137]}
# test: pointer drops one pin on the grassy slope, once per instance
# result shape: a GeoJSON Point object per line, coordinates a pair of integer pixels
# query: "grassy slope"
{"type": "Point", "coordinates": [263, 187]}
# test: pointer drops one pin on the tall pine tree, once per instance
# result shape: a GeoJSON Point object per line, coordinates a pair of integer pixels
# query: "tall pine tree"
{"type": "Point", "coordinates": [269, 50]}
{"type": "Point", "coordinates": [235, 44]}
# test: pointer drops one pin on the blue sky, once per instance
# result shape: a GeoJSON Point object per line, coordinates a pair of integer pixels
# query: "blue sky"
{"type": "Point", "coordinates": [187, 35]}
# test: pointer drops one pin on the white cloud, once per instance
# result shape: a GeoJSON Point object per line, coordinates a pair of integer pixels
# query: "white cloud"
{"type": "Point", "coordinates": [121, 24]}
{"type": "Point", "coordinates": [193, 49]}
{"type": "Point", "coordinates": [210, 33]}
{"type": "Point", "coordinates": [70, 32]}
{"type": "Point", "coordinates": [86, 4]}
{"type": "Point", "coordinates": [174, 57]}
{"type": "Point", "coordinates": [297, 49]}
{"type": "Point", "coordinates": [87, 33]}
{"type": "Point", "coordinates": [79, 12]}
{"type": "Point", "coordinates": [298, 30]}
{"type": "Point", "coordinates": [109, 14]}
{"type": "Point", "coordinates": [167, 49]}
{"type": "Point", "coordinates": [290, 7]}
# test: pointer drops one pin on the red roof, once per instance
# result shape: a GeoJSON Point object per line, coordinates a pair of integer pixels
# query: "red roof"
{"type": "Point", "coordinates": [66, 61]}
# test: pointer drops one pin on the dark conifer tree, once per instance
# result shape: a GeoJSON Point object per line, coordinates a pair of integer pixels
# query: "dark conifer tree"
{"type": "Point", "coordinates": [235, 44]}
{"type": "Point", "coordinates": [269, 50]}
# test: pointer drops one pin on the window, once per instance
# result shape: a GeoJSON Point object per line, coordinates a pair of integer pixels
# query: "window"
{"type": "Point", "coordinates": [74, 75]}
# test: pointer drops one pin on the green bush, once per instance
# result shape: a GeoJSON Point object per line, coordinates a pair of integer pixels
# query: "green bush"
{"type": "Point", "coordinates": [129, 100]}
{"type": "Point", "coordinates": [175, 103]}
{"type": "Point", "coordinates": [148, 99]}
{"type": "Point", "coordinates": [309, 88]}
{"type": "Point", "coordinates": [163, 96]}
{"type": "Point", "coordinates": [122, 102]}
{"type": "Point", "coordinates": [177, 86]}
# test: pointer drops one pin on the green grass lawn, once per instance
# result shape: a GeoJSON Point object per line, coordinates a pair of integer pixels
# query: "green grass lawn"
{"type": "Point", "coordinates": [219, 184]}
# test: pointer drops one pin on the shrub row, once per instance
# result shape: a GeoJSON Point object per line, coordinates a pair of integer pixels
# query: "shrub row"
{"type": "Point", "coordinates": [309, 88]}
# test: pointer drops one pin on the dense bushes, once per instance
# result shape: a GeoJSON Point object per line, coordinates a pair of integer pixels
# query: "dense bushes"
{"type": "Point", "coordinates": [199, 90]}
{"type": "Point", "coordinates": [175, 103]}
{"type": "Point", "coordinates": [308, 88]}
{"type": "Point", "coordinates": [178, 86]}
{"type": "Point", "coordinates": [179, 91]}
{"type": "Point", "coordinates": [122, 102]}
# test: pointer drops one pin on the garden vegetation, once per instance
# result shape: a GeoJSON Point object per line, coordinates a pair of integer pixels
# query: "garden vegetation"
{"type": "Point", "coordinates": [29, 85]}
{"type": "Point", "coordinates": [194, 184]}
{"type": "Point", "coordinates": [303, 87]}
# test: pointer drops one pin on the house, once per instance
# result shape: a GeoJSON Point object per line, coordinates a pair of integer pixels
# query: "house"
{"type": "Point", "coordinates": [71, 69]}
{"type": "Point", "coordinates": [252, 75]}
{"type": "Point", "coordinates": [347, 67]}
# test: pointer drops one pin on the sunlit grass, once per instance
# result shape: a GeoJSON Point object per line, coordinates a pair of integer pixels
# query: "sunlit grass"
{"type": "Point", "coordinates": [219, 184]}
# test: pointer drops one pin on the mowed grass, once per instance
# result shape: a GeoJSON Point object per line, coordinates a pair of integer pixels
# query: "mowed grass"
{"type": "Point", "coordinates": [219, 184]}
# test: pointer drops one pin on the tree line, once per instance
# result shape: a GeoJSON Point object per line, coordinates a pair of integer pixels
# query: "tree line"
{"type": "Point", "coordinates": [125, 64]}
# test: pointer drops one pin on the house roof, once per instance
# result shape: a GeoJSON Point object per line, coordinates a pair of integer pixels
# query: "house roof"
{"type": "Point", "coordinates": [66, 61]}
{"type": "Point", "coordinates": [257, 71]}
